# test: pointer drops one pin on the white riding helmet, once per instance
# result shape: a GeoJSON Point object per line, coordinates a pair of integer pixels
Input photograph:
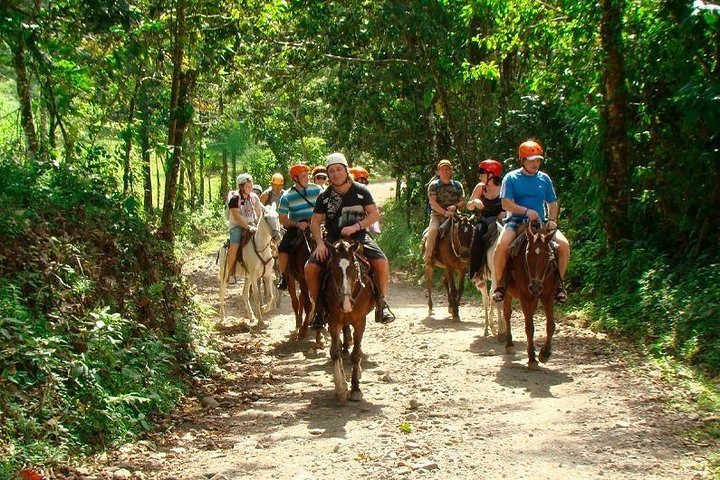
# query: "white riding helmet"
{"type": "Point", "coordinates": [334, 158]}
{"type": "Point", "coordinates": [242, 178]}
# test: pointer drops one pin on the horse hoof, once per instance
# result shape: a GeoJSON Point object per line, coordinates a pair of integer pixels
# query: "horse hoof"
{"type": "Point", "coordinates": [533, 366]}
{"type": "Point", "coordinates": [356, 396]}
{"type": "Point", "coordinates": [341, 398]}
{"type": "Point", "coordinates": [544, 357]}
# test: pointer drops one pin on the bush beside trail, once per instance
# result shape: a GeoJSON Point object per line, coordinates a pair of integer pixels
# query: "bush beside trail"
{"type": "Point", "coordinates": [99, 330]}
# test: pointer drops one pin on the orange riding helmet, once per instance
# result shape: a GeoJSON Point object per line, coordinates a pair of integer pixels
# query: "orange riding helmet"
{"type": "Point", "coordinates": [298, 169]}
{"type": "Point", "coordinates": [359, 172]}
{"type": "Point", "coordinates": [530, 149]}
{"type": "Point", "coordinates": [491, 166]}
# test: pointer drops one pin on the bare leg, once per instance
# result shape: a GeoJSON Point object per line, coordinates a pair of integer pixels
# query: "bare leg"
{"type": "Point", "coordinates": [500, 261]}
{"type": "Point", "coordinates": [230, 260]}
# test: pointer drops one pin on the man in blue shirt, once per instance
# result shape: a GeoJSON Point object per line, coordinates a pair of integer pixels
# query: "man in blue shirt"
{"type": "Point", "coordinates": [525, 193]}
{"type": "Point", "coordinates": [296, 209]}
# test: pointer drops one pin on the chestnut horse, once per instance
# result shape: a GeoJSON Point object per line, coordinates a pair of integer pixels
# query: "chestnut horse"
{"type": "Point", "coordinates": [349, 297]}
{"type": "Point", "coordinates": [452, 252]}
{"type": "Point", "coordinates": [296, 276]}
{"type": "Point", "coordinates": [531, 277]}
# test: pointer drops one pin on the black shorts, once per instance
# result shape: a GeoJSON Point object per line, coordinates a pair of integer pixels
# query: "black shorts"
{"type": "Point", "coordinates": [371, 250]}
{"type": "Point", "coordinates": [286, 244]}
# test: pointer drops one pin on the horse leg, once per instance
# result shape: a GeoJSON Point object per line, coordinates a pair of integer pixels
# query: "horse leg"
{"type": "Point", "coordinates": [347, 338]}
{"type": "Point", "coordinates": [256, 299]}
{"type": "Point", "coordinates": [246, 299]}
{"type": "Point", "coordinates": [450, 293]}
{"type": "Point", "coordinates": [528, 308]}
{"type": "Point", "coordinates": [341, 387]}
{"type": "Point", "coordinates": [487, 309]}
{"type": "Point", "coordinates": [428, 288]}
{"type": "Point", "coordinates": [294, 301]}
{"type": "Point", "coordinates": [460, 290]}
{"type": "Point", "coordinates": [546, 349]}
{"type": "Point", "coordinates": [507, 312]}
{"type": "Point", "coordinates": [356, 357]}
{"type": "Point", "coordinates": [269, 292]}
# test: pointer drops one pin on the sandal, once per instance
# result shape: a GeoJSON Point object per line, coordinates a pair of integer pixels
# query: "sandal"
{"type": "Point", "coordinates": [499, 294]}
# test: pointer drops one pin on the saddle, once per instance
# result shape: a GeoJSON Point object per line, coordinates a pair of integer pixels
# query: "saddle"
{"type": "Point", "coordinates": [244, 240]}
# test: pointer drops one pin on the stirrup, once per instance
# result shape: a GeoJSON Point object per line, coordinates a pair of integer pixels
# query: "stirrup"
{"type": "Point", "coordinates": [282, 284]}
{"type": "Point", "coordinates": [499, 294]}
{"type": "Point", "coordinates": [383, 314]}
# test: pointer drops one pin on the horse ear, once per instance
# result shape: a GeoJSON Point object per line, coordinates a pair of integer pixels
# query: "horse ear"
{"type": "Point", "coordinates": [273, 206]}
{"type": "Point", "coordinates": [472, 218]}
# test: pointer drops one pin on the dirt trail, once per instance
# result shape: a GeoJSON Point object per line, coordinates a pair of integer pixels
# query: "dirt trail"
{"type": "Point", "coordinates": [440, 401]}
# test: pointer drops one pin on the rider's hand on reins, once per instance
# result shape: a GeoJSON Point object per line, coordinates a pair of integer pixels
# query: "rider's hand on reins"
{"type": "Point", "coordinates": [349, 230]}
{"type": "Point", "coordinates": [321, 251]}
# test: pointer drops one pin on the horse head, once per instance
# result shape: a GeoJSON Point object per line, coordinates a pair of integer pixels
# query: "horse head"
{"type": "Point", "coordinates": [463, 231]}
{"type": "Point", "coordinates": [272, 218]}
{"type": "Point", "coordinates": [539, 257]}
{"type": "Point", "coordinates": [346, 275]}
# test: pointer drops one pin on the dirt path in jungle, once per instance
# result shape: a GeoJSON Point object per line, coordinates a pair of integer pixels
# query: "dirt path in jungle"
{"type": "Point", "coordinates": [440, 401]}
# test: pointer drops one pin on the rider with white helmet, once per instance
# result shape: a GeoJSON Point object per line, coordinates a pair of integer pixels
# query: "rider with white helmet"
{"type": "Point", "coordinates": [347, 209]}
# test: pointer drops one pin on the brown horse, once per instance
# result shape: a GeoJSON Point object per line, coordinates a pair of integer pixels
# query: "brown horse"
{"type": "Point", "coordinates": [452, 252]}
{"type": "Point", "coordinates": [531, 277]}
{"type": "Point", "coordinates": [349, 297]}
{"type": "Point", "coordinates": [296, 277]}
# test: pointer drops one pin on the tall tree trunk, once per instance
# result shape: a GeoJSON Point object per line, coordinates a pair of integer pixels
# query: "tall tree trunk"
{"type": "Point", "coordinates": [182, 86]}
{"type": "Point", "coordinates": [201, 170]}
{"type": "Point", "coordinates": [23, 90]}
{"type": "Point", "coordinates": [233, 161]}
{"type": "Point", "coordinates": [181, 190]}
{"type": "Point", "coordinates": [615, 147]}
{"type": "Point", "coordinates": [128, 139]}
{"type": "Point", "coordinates": [145, 146]}
{"type": "Point", "coordinates": [224, 184]}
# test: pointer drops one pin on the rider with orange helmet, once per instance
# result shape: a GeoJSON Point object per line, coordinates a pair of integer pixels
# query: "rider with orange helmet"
{"type": "Point", "coordinates": [526, 193]}
{"type": "Point", "coordinates": [360, 174]}
{"type": "Point", "coordinates": [274, 192]}
{"type": "Point", "coordinates": [485, 198]}
{"type": "Point", "coordinates": [296, 209]}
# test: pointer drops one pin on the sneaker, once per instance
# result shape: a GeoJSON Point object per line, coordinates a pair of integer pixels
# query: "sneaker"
{"type": "Point", "coordinates": [383, 314]}
{"type": "Point", "coordinates": [561, 295]}
{"type": "Point", "coordinates": [282, 284]}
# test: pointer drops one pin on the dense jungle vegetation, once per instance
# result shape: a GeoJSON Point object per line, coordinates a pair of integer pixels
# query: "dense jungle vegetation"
{"type": "Point", "coordinates": [123, 122]}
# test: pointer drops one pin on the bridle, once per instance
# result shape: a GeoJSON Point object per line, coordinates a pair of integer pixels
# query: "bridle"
{"type": "Point", "coordinates": [455, 238]}
{"type": "Point", "coordinates": [269, 242]}
{"type": "Point", "coordinates": [341, 290]}
{"type": "Point", "coordinates": [550, 257]}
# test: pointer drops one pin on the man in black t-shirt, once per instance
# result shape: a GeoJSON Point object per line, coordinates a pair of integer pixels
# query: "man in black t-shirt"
{"type": "Point", "coordinates": [347, 209]}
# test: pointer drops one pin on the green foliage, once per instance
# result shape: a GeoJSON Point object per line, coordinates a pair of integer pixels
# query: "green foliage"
{"type": "Point", "coordinates": [401, 236]}
{"type": "Point", "coordinates": [99, 333]}
{"type": "Point", "coordinates": [670, 306]}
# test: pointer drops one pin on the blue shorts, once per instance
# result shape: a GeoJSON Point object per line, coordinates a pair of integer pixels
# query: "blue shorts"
{"type": "Point", "coordinates": [513, 223]}
{"type": "Point", "coordinates": [235, 235]}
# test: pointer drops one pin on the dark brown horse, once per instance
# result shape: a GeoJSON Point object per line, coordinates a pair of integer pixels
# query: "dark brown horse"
{"type": "Point", "coordinates": [531, 277]}
{"type": "Point", "coordinates": [296, 277]}
{"type": "Point", "coordinates": [349, 297]}
{"type": "Point", "coordinates": [452, 252]}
